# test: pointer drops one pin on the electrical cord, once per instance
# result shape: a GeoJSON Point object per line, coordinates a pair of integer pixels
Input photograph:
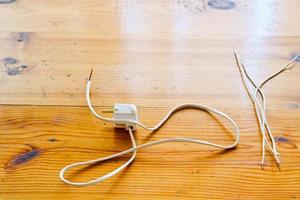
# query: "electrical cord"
{"type": "Point", "coordinates": [135, 147]}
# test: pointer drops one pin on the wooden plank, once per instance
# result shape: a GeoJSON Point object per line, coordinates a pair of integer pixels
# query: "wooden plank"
{"type": "Point", "coordinates": [139, 71]}
{"type": "Point", "coordinates": [181, 18]}
{"type": "Point", "coordinates": [167, 62]}
{"type": "Point", "coordinates": [38, 141]}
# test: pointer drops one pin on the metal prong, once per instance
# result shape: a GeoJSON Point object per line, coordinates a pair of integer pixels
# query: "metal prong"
{"type": "Point", "coordinates": [237, 59]}
{"type": "Point", "coordinates": [279, 166]}
{"type": "Point", "coordinates": [262, 165]}
{"type": "Point", "coordinates": [108, 110]}
{"type": "Point", "coordinates": [91, 73]}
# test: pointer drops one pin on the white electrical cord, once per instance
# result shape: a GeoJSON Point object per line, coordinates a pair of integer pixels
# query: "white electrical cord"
{"type": "Point", "coordinates": [260, 107]}
{"type": "Point", "coordinates": [135, 147]}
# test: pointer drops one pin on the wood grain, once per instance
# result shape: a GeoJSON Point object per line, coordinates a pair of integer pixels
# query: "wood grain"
{"type": "Point", "coordinates": [155, 54]}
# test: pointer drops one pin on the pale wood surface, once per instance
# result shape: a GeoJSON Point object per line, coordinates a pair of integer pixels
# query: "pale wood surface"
{"type": "Point", "coordinates": [155, 54]}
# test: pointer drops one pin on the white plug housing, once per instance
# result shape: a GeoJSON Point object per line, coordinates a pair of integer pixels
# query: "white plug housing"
{"type": "Point", "coordinates": [125, 112]}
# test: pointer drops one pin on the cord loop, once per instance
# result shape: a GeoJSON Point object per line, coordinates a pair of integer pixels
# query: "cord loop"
{"type": "Point", "coordinates": [135, 147]}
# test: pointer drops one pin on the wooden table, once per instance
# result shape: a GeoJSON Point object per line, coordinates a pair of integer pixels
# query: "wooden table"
{"type": "Point", "coordinates": [155, 54]}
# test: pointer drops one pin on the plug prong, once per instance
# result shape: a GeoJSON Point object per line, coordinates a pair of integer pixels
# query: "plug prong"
{"type": "Point", "coordinates": [108, 110]}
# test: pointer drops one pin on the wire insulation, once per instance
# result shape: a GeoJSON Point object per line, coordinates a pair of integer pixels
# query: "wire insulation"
{"type": "Point", "coordinates": [260, 107]}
